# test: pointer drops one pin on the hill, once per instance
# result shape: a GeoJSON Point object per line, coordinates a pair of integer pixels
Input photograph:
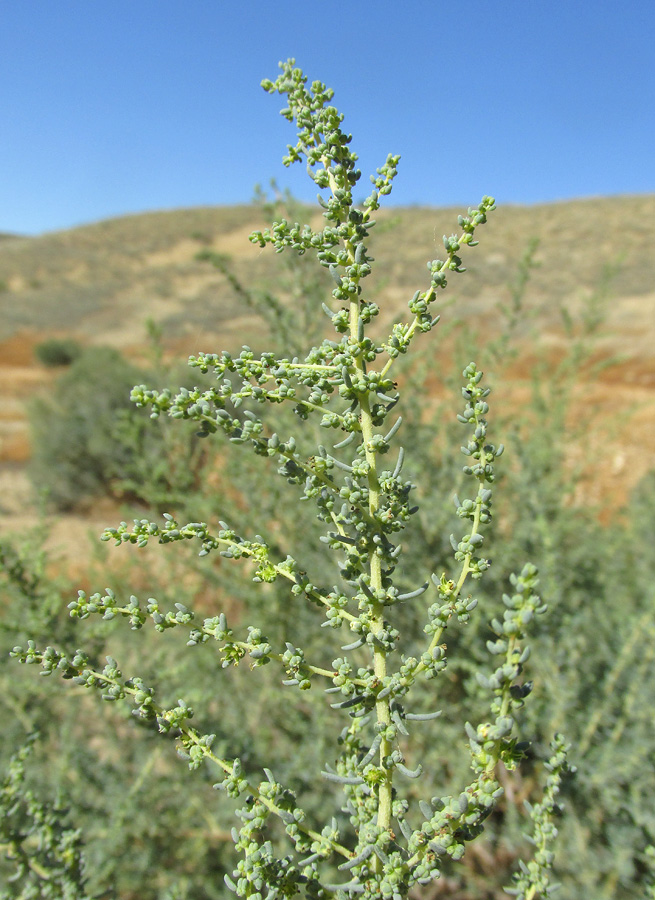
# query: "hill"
{"type": "Point", "coordinates": [101, 283]}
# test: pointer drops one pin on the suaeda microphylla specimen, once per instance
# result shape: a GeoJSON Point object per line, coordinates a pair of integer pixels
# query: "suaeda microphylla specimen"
{"type": "Point", "coordinates": [379, 841]}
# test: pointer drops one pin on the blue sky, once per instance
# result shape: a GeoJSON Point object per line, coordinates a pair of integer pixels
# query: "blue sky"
{"type": "Point", "coordinates": [134, 105]}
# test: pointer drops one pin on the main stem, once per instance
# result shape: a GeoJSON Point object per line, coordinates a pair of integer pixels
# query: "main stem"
{"type": "Point", "coordinates": [382, 709]}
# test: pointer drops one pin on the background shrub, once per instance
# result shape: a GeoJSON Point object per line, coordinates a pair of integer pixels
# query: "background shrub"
{"type": "Point", "coordinates": [57, 352]}
{"type": "Point", "coordinates": [77, 449]}
{"type": "Point", "coordinates": [88, 440]}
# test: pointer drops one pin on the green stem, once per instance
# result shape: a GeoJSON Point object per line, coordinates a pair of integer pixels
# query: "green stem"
{"type": "Point", "coordinates": [193, 737]}
{"type": "Point", "coordinates": [382, 708]}
{"type": "Point", "coordinates": [429, 296]}
{"type": "Point", "coordinates": [463, 575]}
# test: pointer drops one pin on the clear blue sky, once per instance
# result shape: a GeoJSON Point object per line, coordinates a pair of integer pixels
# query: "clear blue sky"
{"type": "Point", "coordinates": [133, 105]}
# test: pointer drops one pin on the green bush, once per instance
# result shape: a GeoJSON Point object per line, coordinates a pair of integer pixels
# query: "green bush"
{"type": "Point", "coordinates": [77, 451]}
{"type": "Point", "coordinates": [148, 834]}
{"type": "Point", "coordinates": [88, 440]}
{"type": "Point", "coordinates": [57, 352]}
{"type": "Point", "coordinates": [388, 832]}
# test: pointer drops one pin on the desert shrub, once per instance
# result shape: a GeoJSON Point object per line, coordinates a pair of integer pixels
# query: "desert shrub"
{"type": "Point", "coordinates": [592, 659]}
{"type": "Point", "coordinates": [87, 441]}
{"type": "Point", "coordinates": [388, 832]}
{"type": "Point", "coordinates": [76, 451]}
{"type": "Point", "coordinates": [57, 352]}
